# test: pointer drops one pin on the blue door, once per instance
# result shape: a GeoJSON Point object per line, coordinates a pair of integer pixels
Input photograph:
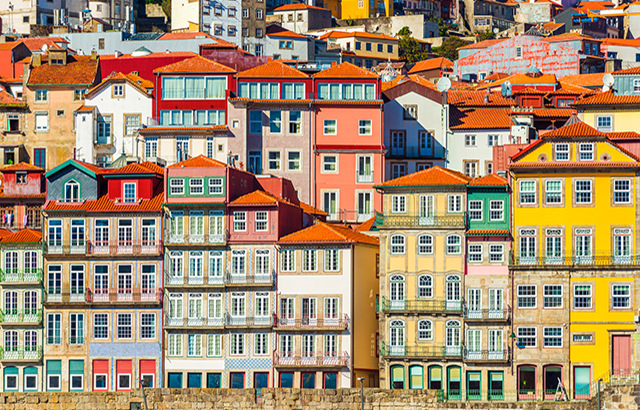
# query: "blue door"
{"type": "Point", "coordinates": [194, 380]}
{"type": "Point", "coordinates": [175, 380]}
{"type": "Point", "coordinates": [260, 380]}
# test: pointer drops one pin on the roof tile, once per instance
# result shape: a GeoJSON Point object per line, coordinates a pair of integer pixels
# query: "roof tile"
{"type": "Point", "coordinates": [297, 6]}
{"type": "Point", "coordinates": [8, 100]}
{"type": "Point", "coordinates": [608, 98]}
{"type": "Point", "coordinates": [277, 31]}
{"type": "Point", "coordinates": [584, 80]}
{"type": "Point", "coordinates": [104, 204]}
{"type": "Point", "coordinates": [480, 118]}
{"type": "Point", "coordinates": [21, 166]}
{"type": "Point", "coordinates": [431, 64]}
{"type": "Point", "coordinates": [323, 232]}
{"type": "Point", "coordinates": [199, 162]}
{"type": "Point", "coordinates": [473, 98]}
{"type": "Point", "coordinates": [23, 236]}
{"type": "Point", "coordinates": [345, 70]}
{"type": "Point", "coordinates": [258, 197]}
{"type": "Point", "coordinates": [196, 64]}
{"type": "Point", "coordinates": [134, 168]}
{"type": "Point", "coordinates": [575, 129]}
{"type": "Point", "coordinates": [433, 176]}
{"type": "Point", "coordinates": [483, 44]}
{"type": "Point", "coordinates": [78, 70]}
{"type": "Point", "coordinates": [488, 232]}
{"type": "Point", "coordinates": [489, 180]}
{"type": "Point", "coordinates": [275, 68]}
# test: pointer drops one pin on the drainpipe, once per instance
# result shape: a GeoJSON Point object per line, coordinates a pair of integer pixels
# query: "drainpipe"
{"type": "Point", "coordinates": [312, 164]}
{"type": "Point", "coordinates": [312, 112]}
{"type": "Point", "coordinates": [353, 351]}
{"type": "Point", "coordinates": [599, 381]}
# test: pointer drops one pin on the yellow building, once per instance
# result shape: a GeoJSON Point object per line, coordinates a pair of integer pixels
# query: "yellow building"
{"type": "Point", "coordinates": [361, 9]}
{"type": "Point", "coordinates": [574, 226]}
{"type": "Point", "coordinates": [364, 49]}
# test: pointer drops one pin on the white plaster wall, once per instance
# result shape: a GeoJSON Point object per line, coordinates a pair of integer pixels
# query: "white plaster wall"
{"type": "Point", "coordinates": [482, 152]}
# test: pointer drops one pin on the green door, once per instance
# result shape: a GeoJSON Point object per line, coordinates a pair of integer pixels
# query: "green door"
{"type": "Point", "coordinates": [474, 389]}
{"type": "Point", "coordinates": [454, 383]}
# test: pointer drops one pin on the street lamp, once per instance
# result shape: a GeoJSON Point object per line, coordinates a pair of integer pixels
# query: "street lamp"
{"type": "Point", "coordinates": [362, 392]}
{"type": "Point", "coordinates": [144, 396]}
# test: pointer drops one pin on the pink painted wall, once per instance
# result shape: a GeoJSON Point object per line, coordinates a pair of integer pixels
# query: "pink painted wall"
{"type": "Point", "coordinates": [237, 182]}
{"type": "Point", "coordinates": [283, 220]}
{"type": "Point", "coordinates": [279, 187]}
{"type": "Point", "coordinates": [32, 187]}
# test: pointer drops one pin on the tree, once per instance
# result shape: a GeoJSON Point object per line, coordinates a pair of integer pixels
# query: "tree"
{"type": "Point", "coordinates": [449, 48]}
{"type": "Point", "coordinates": [487, 35]}
{"type": "Point", "coordinates": [408, 48]}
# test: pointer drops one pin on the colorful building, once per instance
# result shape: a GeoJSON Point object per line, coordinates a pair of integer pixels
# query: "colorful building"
{"type": "Point", "coordinates": [574, 223]}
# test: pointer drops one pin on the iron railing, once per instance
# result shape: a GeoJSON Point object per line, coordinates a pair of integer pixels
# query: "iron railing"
{"type": "Point", "coordinates": [57, 296]}
{"type": "Point", "coordinates": [423, 305]}
{"type": "Point", "coordinates": [248, 279]}
{"type": "Point", "coordinates": [498, 315]}
{"type": "Point", "coordinates": [124, 248]}
{"type": "Point", "coordinates": [204, 239]}
{"type": "Point", "coordinates": [598, 259]}
{"type": "Point", "coordinates": [21, 353]}
{"type": "Point", "coordinates": [20, 276]}
{"type": "Point", "coordinates": [423, 352]}
{"type": "Point", "coordinates": [124, 295]}
{"type": "Point", "coordinates": [304, 323]}
{"type": "Point", "coordinates": [457, 220]}
{"type": "Point", "coordinates": [21, 316]}
{"type": "Point", "coordinates": [314, 359]}
{"type": "Point", "coordinates": [171, 280]}
{"type": "Point", "coordinates": [60, 248]}
{"type": "Point", "coordinates": [247, 321]}
{"type": "Point", "coordinates": [485, 355]}
{"type": "Point", "coordinates": [193, 322]}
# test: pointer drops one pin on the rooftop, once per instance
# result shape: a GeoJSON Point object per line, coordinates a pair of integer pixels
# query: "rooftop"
{"type": "Point", "coordinates": [434, 176]}
{"type": "Point", "coordinates": [277, 31]}
{"type": "Point", "coordinates": [196, 64]}
{"type": "Point", "coordinates": [345, 70]}
{"type": "Point", "coordinates": [356, 34]}
{"type": "Point", "coordinates": [297, 6]}
{"type": "Point", "coordinates": [21, 166]}
{"type": "Point", "coordinates": [79, 70]}
{"type": "Point", "coordinates": [23, 236]}
{"type": "Point", "coordinates": [199, 162]}
{"type": "Point", "coordinates": [431, 64]}
{"type": "Point", "coordinates": [480, 118]}
{"type": "Point", "coordinates": [489, 180]}
{"type": "Point", "coordinates": [323, 232]}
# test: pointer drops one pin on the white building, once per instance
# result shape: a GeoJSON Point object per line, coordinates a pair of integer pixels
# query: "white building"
{"type": "Point", "coordinates": [300, 17]}
{"type": "Point", "coordinates": [287, 45]}
{"type": "Point", "coordinates": [17, 16]}
{"type": "Point", "coordinates": [114, 110]}
{"type": "Point", "coordinates": [414, 126]}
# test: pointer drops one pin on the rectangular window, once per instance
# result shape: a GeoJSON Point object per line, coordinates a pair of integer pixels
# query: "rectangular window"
{"type": "Point", "coordinates": [398, 204]}
{"type": "Point", "coordinates": [175, 345]}
{"type": "Point", "coordinates": [216, 186]}
{"type": "Point", "coordinates": [196, 186]}
{"type": "Point", "coordinates": [288, 260]}
{"type": "Point", "coordinates": [492, 140]}
{"type": "Point", "coordinates": [309, 260]}
{"type": "Point", "coordinates": [42, 95]}
{"type": "Point", "coordinates": [496, 253]}
{"type": "Point", "coordinates": [261, 345]}
{"type": "Point", "coordinates": [527, 192]}
{"type": "Point", "coordinates": [454, 203]}
{"type": "Point", "coordinates": [562, 152]}
{"type": "Point", "coordinates": [475, 210]}
{"type": "Point", "coordinates": [621, 191]}
{"type": "Point", "coordinates": [527, 336]}
{"type": "Point", "coordinates": [124, 326]}
{"type": "Point", "coordinates": [496, 210]}
{"type": "Point", "coordinates": [330, 127]}
{"type": "Point", "coordinates": [239, 221]}
{"type": "Point", "coordinates": [331, 262]}
{"type": "Point", "coordinates": [274, 160]}
{"type": "Point", "coordinates": [100, 325]}
{"type": "Point", "coordinates": [475, 253]}
{"type": "Point", "coordinates": [470, 140]}
{"type": "Point", "coordinates": [582, 297]}
{"type": "Point", "coordinates": [176, 186]}
{"type": "Point", "coordinates": [586, 152]}
{"type": "Point", "coordinates": [237, 344]}
{"type": "Point", "coordinates": [147, 325]}
{"type": "Point", "coordinates": [552, 296]}
{"type": "Point", "coordinates": [329, 163]}
{"type": "Point", "coordinates": [526, 296]}
{"type": "Point", "coordinates": [583, 192]}
{"type": "Point", "coordinates": [194, 345]}
{"type": "Point", "coordinates": [410, 112]}
{"type": "Point", "coordinates": [621, 296]}
{"type": "Point", "coordinates": [275, 122]}
{"type": "Point", "coordinates": [364, 127]}
{"type": "Point", "coordinates": [583, 338]}
{"type": "Point", "coordinates": [552, 337]}
{"type": "Point", "coordinates": [42, 121]}
{"type": "Point", "coordinates": [214, 345]}
{"type": "Point", "coordinates": [53, 328]}
{"type": "Point", "coordinates": [129, 192]}
{"type": "Point", "coordinates": [262, 221]}
{"type": "Point", "coordinates": [293, 161]}
{"type": "Point", "coordinates": [553, 192]}
{"type": "Point", "coordinates": [604, 124]}
{"type": "Point", "coordinates": [255, 122]}
{"type": "Point", "coordinates": [295, 122]}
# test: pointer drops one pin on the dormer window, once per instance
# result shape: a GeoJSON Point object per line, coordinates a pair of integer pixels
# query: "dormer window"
{"type": "Point", "coordinates": [118, 90]}
{"type": "Point", "coordinates": [21, 178]}
{"type": "Point", "coordinates": [129, 193]}
{"type": "Point", "coordinates": [636, 86]}
{"type": "Point", "coordinates": [71, 191]}
{"type": "Point", "coordinates": [586, 152]}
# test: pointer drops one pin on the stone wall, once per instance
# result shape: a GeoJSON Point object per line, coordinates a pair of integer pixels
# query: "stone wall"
{"type": "Point", "coordinates": [618, 398]}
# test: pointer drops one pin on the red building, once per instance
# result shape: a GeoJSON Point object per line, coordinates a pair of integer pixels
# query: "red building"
{"type": "Point", "coordinates": [12, 59]}
{"type": "Point", "coordinates": [142, 62]}
{"type": "Point", "coordinates": [22, 195]}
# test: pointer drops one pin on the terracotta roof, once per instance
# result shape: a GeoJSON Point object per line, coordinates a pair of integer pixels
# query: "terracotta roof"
{"type": "Point", "coordinates": [10, 45]}
{"type": "Point", "coordinates": [21, 166]}
{"type": "Point", "coordinates": [5, 232]}
{"type": "Point", "coordinates": [412, 77]}
{"type": "Point", "coordinates": [80, 70]}
{"type": "Point", "coordinates": [187, 35]}
{"type": "Point", "coordinates": [366, 225]}
{"type": "Point", "coordinates": [258, 198]}
{"type": "Point", "coordinates": [8, 100]}
{"type": "Point", "coordinates": [480, 118]}
{"type": "Point", "coordinates": [608, 98]}
{"type": "Point", "coordinates": [483, 44]}
{"type": "Point", "coordinates": [522, 79]}
{"type": "Point", "coordinates": [624, 135]}
{"type": "Point", "coordinates": [104, 204]}
{"type": "Point", "coordinates": [569, 37]}
{"type": "Point", "coordinates": [494, 77]}
{"type": "Point", "coordinates": [323, 232]}
{"type": "Point", "coordinates": [198, 162]}
{"type": "Point", "coordinates": [297, 6]}
{"type": "Point", "coordinates": [41, 196]}
{"type": "Point", "coordinates": [584, 80]}
{"type": "Point", "coordinates": [573, 130]}
{"type": "Point", "coordinates": [550, 112]}
{"type": "Point", "coordinates": [345, 70]}
{"type": "Point", "coordinates": [356, 34]}
{"type": "Point", "coordinates": [136, 169]}
{"type": "Point", "coordinates": [308, 209]}
{"type": "Point", "coordinates": [489, 180]}
{"type": "Point", "coordinates": [197, 64]}
{"type": "Point", "coordinates": [153, 167]}
{"type": "Point", "coordinates": [23, 236]}
{"type": "Point", "coordinates": [431, 64]}
{"type": "Point", "coordinates": [152, 55]}
{"type": "Point", "coordinates": [429, 177]}
{"type": "Point", "coordinates": [530, 91]}
{"type": "Point", "coordinates": [570, 89]}
{"type": "Point", "coordinates": [473, 98]}
{"type": "Point", "coordinates": [277, 31]}
{"type": "Point", "coordinates": [274, 68]}
{"type": "Point", "coordinates": [145, 86]}
{"type": "Point", "coordinates": [36, 43]}
{"type": "Point", "coordinates": [85, 108]}
{"type": "Point", "coordinates": [625, 42]}
{"type": "Point", "coordinates": [96, 169]}
{"type": "Point", "coordinates": [632, 70]}
{"type": "Point", "coordinates": [488, 232]}
{"type": "Point", "coordinates": [552, 26]}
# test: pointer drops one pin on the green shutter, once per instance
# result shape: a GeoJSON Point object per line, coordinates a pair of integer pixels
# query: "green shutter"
{"type": "Point", "coordinates": [30, 370]}
{"type": "Point", "coordinates": [54, 367]}
{"type": "Point", "coordinates": [11, 370]}
{"type": "Point", "coordinates": [76, 366]}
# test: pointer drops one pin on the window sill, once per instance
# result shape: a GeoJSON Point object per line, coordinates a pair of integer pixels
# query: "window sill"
{"type": "Point", "coordinates": [7, 132]}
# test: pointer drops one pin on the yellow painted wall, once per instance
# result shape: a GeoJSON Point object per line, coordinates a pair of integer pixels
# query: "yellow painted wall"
{"type": "Point", "coordinates": [351, 9]}
{"type": "Point", "coordinates": [622, 120]}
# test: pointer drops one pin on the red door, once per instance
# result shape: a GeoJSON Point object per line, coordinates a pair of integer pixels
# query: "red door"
{"type": "Point", "coordinates": [621, 355]}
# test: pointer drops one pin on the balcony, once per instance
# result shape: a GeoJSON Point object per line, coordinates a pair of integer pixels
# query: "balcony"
{"type": "Point", "coordinates": [180, 281]}
{"type": "Point", "coordinates": [57, 296]}
{"type": "Point", "coordinates": [247, 321]}
{"type": "Point", "coordinates": [362, 177]}
{"type": "Point", "coordinates": [421, 352]}
{"type": "Point", "coordinates": [18, 317]}
{"type": "Point", "coordinates": [15, 277]}
{"type": "Point", "coordinates": [232, 279]}
{"type": "Point", "coordinates": [317, 360]}
{"type": "Point", "coordinates": [487, 315]}
{"type": "Point", "coordinates": [124, 248]}
{"type": "Point", "coordinates": [415, 152]}
{"type": "Point", "coordinates": [186, 239]}
{"type": "Point", "coordinates": [437, 221]}
{"type": "Point", "coordinates": [59, 248]}
{"type": "Point", "coordinates": [125, 295]}
{"type": "Point", "coordinates": [313, 324]}
{"type": "Point", "coordinates": [442, 306]}
{"type": "Point", "coordinates": [188, 323]}
{"type": "Point", "coordinates": [596, 259]}
{"type": "Point", "coordinates": [21, 354]}
{"type": "Point", "coordinates": [484, 356]}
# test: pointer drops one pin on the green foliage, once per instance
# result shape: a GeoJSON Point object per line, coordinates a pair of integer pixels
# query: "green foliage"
{"type": "Point", "coordinates": [165, 4]}
{"type": "Point", "coordinates": [487, 35]}
{"type": "Point", "coordinates": [449, 48]}
{"type": "Point", "coordinates": [409, 49]}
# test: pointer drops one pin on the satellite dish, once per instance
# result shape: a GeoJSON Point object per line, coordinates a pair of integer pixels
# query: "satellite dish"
{"type": "Point", "coordinates": [506, 89]}
{"type": "Point", "coordinates": [496, 30]}
{"type": "Point", "coordinates": [443, 85]}
{"type": "Point", "coordinates": [45, 48]}
{"type": "Point", "coordinates": [608, 81]}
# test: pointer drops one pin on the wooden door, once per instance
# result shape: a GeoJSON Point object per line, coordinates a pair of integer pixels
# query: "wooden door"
{"type": "Point", "coordinates": [621, 355]}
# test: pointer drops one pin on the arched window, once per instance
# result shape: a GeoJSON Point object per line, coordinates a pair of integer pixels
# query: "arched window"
{"type": "Point", "coordinates": [397, 244]}
{"type": "Point", "coordinates": [396, 292]}
{"type": "Point", "coordinates": [425, 286]}
{"type": "Point", "coordinates": [425, 330]}
{"type": "Point", "coordinates": [72, 191]}
{"type": "Point", "coordinates": [452, 338]}
{"type": "Point", "coordinates": [396, 338]}
{"type": "Point", "coordinates": [425, 245]}
{"type": "Point", "coordinates": [453, 245]}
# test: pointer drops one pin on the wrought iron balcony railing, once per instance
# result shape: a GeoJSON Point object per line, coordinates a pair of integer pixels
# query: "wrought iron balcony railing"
{"type": "Point", "coordinates": [248, 279]}
{"type": "Point", "coordinates": [9, 276]}
{"type": "Point", "coordinates": [497, 315]}
{"type": "Point", "coordinates": [193, 322]}
{"type": "Point", "coordinates": [307, 323]}
{"type": "Point", "coordinates": [216, 238]}
{"type": "Point", "coordinates": [596, 259]}
{"type": "Point", "coordinates": [247, 321]}
{"type": "Point", "coordinates": [453, 220]}
{"type": "Point", "coordinates": [318, 359]}
{"type": "Point", "coordinates": [485, 355]}
{"type": "Point", "coordinates": [21, 353]}
{"type": "Point", "coordinates": [151, 247]}
{"type": "Point", "coordinates": [423, 352]}
{"type": "Point", "coordinates": [423, 306]}
{"type": "Point", "coordinates": [9, 316]}
{"type": "Point", "coordinates": [124, 295]}
{"type": "Point", "coordinates": [65, 248]}
{"type": "Point", "coordinates": [210, 280]}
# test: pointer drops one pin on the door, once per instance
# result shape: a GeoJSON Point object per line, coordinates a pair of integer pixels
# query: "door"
{"type": "Point", "coordinates": [426, 144]}
{"type": "Point", "coordinates": [454, 383]}
{"type": "Point", "coordinates": [452, 338]}
{"type": "Point", "coordinates": [396, 339]}
{"type": "Point", "coordinates": [260, 380]}
{"type": "Point", "coordinates": [495, 344]}
{"type": "Point", "coordinates": [496, 310]}
{"type": "Point", "coordinates": [255, 162]}
{"type": "Point", "coordinates": [453, 293]}
{"type": "Point", "coordinates": [125, 236]}
{"type": "Point", "coordinates": [397, 293]}
{"type": "Point", "coordinates": [426, 210]}
{"type": "Point", "coordinates": [365, 171]}
{"type": "Point", "coordinates": [474, 304]}
{"type": "Point", "coordinates": [474, 343]}
{"type": "Point", "coordinates": [397, 143]}
{"type": "Point", "coordinates": [474, 383]}
{"type": "Point", "coordinates": [330, 204]}
{"type": "Point", "coordinates": [287, 312]}
{"type": "Point", "coordinates": [581, 382]}
{"type": "Point", "coordinates": [621, 355]}
{"type": "Point", "coordinates": [309, 312]}
{"type": "Point", "coordinates": [364, 206]}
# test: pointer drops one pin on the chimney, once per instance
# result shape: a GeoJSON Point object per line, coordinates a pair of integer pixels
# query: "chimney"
{"type": "Point", "coordinates": [36, 60]}
{"type": "Point", "coordinates": [94, 54]}
{"type": "Point", "coordinates": [333, 64]}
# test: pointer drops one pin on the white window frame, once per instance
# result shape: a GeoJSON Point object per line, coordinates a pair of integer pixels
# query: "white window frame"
{"type": "Point", "coordinates": [399, 247]}
{"type": "Point", "coordinates": [560, 153]}
{"type": "Point", "coordinates": [533, 296]}
{"type": "Point", "coordinates": [533, 337]}
{"type": "Point", "coordinates": [546, 338]}
{"type": "Point", "coordinates": [548, 298]}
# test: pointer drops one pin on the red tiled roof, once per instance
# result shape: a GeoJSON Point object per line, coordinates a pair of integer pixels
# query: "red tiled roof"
{"type": "Point", "coordinates": [196, 64]}
{"type": "Point", "coordinates": [258, 198]}
{"type": "Point", "coordinates": [480, 118]}
{"type": "Point", "coordinates": [153, 167]}
{"type": "Point", "coordinates": [5, 232]}
{"type": "Point", "coordinates": [366, 225]}
{"type": "Point", "coordinates": [306, 208]}
{"type": "Point", "coordinates": [152, 55]}
{"type": "Point", "coordinates": [608, 98]}
{"type": "Point", "coordinates": [529, 91]}
{"type": "Point", "coordinates": [145, 86]}
{"type": "Point", "coordinates": [323, 232]}
{"type": "Point", "coordinates": [625, 42]}
{"type": "Point", "coordinates": [576, 129]}
{"type": "Point", "coordinates": [345, 70]}
{"type": "Point", "coordinates": [297, 6]}
{"type": "Point", "coordinates": [23, 236]}
{"type": "Point", "coordinates": [551, 112]}
{"type": "Point", "coordinates": [199, 162]}
{"type": "Point", "coordinates": [431, 64]}
{"type": "Point", "coordinates": [201, 128]}
{"type": "Point", "coordinates": [584, 80]}
{"type": "Point", "coordinates": [36, 43]}
{"type": "Point", "coordinates": [522, 79]}
{"type": "Point", "coordinates": [104, 204]}
{"type": "Point", "coordinates": [483, 44]}
{"type": "Point", "coordinates": [624, 135]}
{"type": "Point", "coordinates": [42, 196]}
{"type": "Point", "coordinates": [21, 166]}
{"type": "Point", "coordinates": [487, 232]}
{"type": "Point", "coordinates": [8, 100]}
{"type": "Point", "coordinates": [569, 37]}
{"type": "Point", "coordinates": [412, 77]}
{"type": "Point", "coordinates": [489, 180]}
{"type": "Point", "coordinates": [356, 34]}
{"type": "Point", "coordinates": [134, 168]}
{"type": "Point", "coordinates": [10, 45]}
{"type": "Point", "coordinates": [494, 77]}
{"type": "Point", "coordinates": [187, 35]}
{"type": "Point", "coordinates": [632, 70]}
{"type": "Point", "coordinates": [277, 31]}
{"type": "Point", "coordinates": [274, 68]}
{"type": "Point", "coordinates": [80, 70]}
{"type": "Point", "coordinates": [552, 26]}
{"type": "Point", "coordinates": [429, 177]}
{"type": "Point", "coordinates": [570, 89]}
{"type": "Point", "coordinates": [85, 108]}
{"type": "Point", "coordinates": [472, 98]}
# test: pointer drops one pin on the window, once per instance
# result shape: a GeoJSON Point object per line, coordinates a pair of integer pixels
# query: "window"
{"type": "Point", "coordinates": [621, 296]}
{"type": "Point", "coordinates": [553, 192]}
{"type": "Point", "coordinates": [118, 90]}
{"type": "Point", "coordinates": [527, 337]}
{"type": "Point", "coordinates": [329, 163]}
{"type": "Point", "coordinates": [398, 203]}
{"type": "Point", "coordinates": [237, 344]}
{"type": "Point", "coordinates": [255, 122]}
{"type": "Point", "coordinates": [425, 331]}
{"type": "Point", "coordinates": [562, 152]}
{"type": "Point", "coordinates": [586, 152]}
{"type": "Point", "coordinates": [196, 186]}
{"type": "Point", "coordinates": [53, 328]}
{"type": "Point", "coordinates": [295, 122]}
{"type": "Point", "coordinates": [147, 325]}
{"type": "Point", "coordinates": [124, 326]}
{"type": "Point", "coordinates": [519, 52]}
{"type": "Point", "coordinates": [331, 261]}
{"type": "Point", "coordinates": [274, 160]}
{"type": "Point", "coordinates": [410, 112]}
{"type": "Point", "coordinates": [364, 127]}
{"type": "Point", "coordinates": [582, 296]}
{"type": "Point", "coordinates": [425, 245]}
{"type": "Point", "coordinates": [604, 124]}
{"type": "Point", "coordinates": [492, 140]}
{"type": "Point", "coordinates": [176, 186]}
{"type": "Point", "coordinates": [71, 191]}
{"type": "Point", "coordinates": [175, 345]}
{"type": "Point", "coordinates": [636, 83]}
{"type": "Point", "coordinates": [129, 193]}
{"type": "Point", "coordinates": [621, 191]}
{"type": "Point", "coordinates": [552, 337]}
{"type": "Point", "coordinates": [309, 260]}
{"type": "Point", "coordinates": [398, 170]}
{"type": "Point", "coordinates": [475, 253]}
{"type": "Point", "coordinates": [527, 192]}
{"type": "Point", "coordinates": [293, 161]}
{"type": "Point", "coordinates": [496, 210]}
{"type": "Point", "coordinates": [275, 122]}
{"type": "Point", "coordinates": [453, 245]}
{"type": "Point", "coordinates": [526, 296]}
{"type": "Point", "coordinates": [330, 127]}
{"type": "Point", "coordinates": [104, 129]}
{"type": "Point", "coordinates": [214, 345]}
{"type": "Point", "coordinates": [262, 221]}
{"type": "Point", "coordinates": [425, 286]}
{"type": "Point", "coordinates": [76, 328]}
{"type": "Point", "coordinates": [151, 147]}
{"type": "Point", "coordinates": [216, 186]}
{"type": "Point", "coordinates": [583, 192]}
{"type": "Point", "coordinates": [239, 221]}
{"type": "Point", "coordinates": [261, 344]}
{"type": "Point", "coordinates": [475, 210]}
{"type": "Point", "coordinates": [454, 203]}
{"type": "Point", "coordinates": [194, 345]}
{"type": "Point", "coordinates": [397, 244]}
{"type": "Point", "coordinates": [288, 260]}
{"type": "Point", "coordinates": [496, 253]}
{"type": "Point", "coordinates": [100, 325]}
{"type": "Point", "coordinates": [42, 95]}
{"type": "Point", "coordinates": [42, 121]}
{"type": "Point", "coordinates": [583, 338]}
{"type": "Point", "coordinates": [470, 140]}
{"type": "Point", "coordinates": [552, 296]}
